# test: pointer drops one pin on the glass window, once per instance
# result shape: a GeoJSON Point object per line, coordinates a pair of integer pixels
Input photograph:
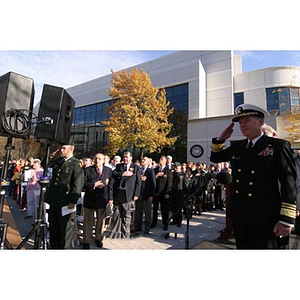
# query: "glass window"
{"type": "Point", "coordinates": [283, 99]}
{"type": "Point", "coordinates": [92, 139]}
{"type": "Point", "coordinates": [180, 89]}
{"type": "Point", "coordinates": [272, 99]}
{"type": "Point", "coordinates": [178, 96]}
{"type": "Point", "coordinates": [295, 100]}
{"type": "Point", "coordinates": [238, 99]}
{"type": "Point", "coordinates": [278, 98]}
{"type": "Point", "coordinates": [169, 92]}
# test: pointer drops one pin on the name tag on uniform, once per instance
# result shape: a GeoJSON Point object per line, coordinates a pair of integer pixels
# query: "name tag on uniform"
{"type": "Point", "coordinates": [235, 157]}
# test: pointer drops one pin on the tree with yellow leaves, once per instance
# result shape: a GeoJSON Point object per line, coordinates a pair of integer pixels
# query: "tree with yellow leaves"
{"type": "Point", "coordinates": [139, 116]}
{"type": "Point", "coordinates": [289, 124]}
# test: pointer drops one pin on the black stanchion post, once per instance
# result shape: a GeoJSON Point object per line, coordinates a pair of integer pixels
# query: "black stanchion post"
{"type": "Point", "coordinates": [187, 204]}
{"type": "Point", "coordinates": [187, 232]}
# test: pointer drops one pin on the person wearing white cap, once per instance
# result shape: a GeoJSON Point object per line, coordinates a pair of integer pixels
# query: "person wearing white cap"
{"type": "Point", "coordinates": [262, 192]}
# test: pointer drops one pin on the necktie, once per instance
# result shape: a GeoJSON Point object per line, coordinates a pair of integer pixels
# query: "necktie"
{"type": "Point", "coordinates": [249, 147]}
{"type": "Point", "coordinates": [99, 172]}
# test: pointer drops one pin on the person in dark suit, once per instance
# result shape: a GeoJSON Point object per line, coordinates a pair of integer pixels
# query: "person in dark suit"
{"type": "Point", "coordinates": [179, 184]}
{"type": "Point", "coordinates": [126, 189]}
{"type": "Point", "coordinates": [64, 190]}
{"type": "Point", "coordinates": [297, 165]}
{"type": "Point", "coordinates": [162, 194]}
{"type": "Point", "coordinates": [262, 191]}
{"type": "Point", "coordinates": [98, 188]}
{"type": "Point", "coordinates": [144, 203]}
{"type": "Point", "coordinates": [283, 243]}
{"type": "Point", "coordinates": [170, 163]}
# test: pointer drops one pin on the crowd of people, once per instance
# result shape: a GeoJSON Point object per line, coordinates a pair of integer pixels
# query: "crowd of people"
{"type": "Point", "coordinates": [132, 192]}
{"type": "Point", "coordinates": [258, 176]}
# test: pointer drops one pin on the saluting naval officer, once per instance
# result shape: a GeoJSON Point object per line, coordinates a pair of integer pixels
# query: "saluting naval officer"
{"type": "Point", "coordinates": [64, 190]}
{"type": "Point", "coordinates": [263, 192]}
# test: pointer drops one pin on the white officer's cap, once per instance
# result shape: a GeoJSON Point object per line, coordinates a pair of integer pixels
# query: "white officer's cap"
{"type": "Point", "coordinates": [245, 110]}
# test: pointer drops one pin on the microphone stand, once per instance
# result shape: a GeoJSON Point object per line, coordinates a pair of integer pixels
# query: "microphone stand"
{"type": "Point", "coordinates": [188, 205]}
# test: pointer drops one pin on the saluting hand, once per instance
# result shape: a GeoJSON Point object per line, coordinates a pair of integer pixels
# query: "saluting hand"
{"type": "Point", "coordinates": [226, 134]}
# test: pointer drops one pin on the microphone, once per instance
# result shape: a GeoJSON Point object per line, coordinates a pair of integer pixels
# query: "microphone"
{"type": "Point", "coordinates": [224, 177]}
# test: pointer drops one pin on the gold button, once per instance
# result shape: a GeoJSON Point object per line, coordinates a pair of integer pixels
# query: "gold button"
{"type": "Point", "coordinates": [237, 181]}
{"type": "Point", "coordinates": [250, 183]}
{"type": "Point", "coordinates": [239, 170]}
{"type": "Point", "coordinates": [252, 172]}
{"type": "Point", "coordinates": [249, 195]}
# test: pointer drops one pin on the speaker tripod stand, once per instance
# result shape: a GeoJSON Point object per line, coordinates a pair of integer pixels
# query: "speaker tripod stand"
{"type": "Point", "coordinates": [40, 226]}
{"type": "Point", "coordinates": [4, 185]}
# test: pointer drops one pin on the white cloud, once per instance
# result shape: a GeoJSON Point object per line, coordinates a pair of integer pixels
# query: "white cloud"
{"type": "Point", "coordinates": [69, 68]}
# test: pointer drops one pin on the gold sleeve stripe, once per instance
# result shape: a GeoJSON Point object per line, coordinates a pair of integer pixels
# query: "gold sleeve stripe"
{"type": "Point", "coordinates": [289, 205]}
{"type": "Point", "coordinates": [288, 210]}
{"type": "Point", "coordinates": [217, 147]}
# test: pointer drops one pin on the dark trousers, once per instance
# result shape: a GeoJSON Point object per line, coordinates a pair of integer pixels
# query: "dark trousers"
{"type": "Point", "coordinates": [60, 229]}
{"type": "Point", "coordinates": [120, 221]}
{"type": "Point", "coordinates": [218, 197]}
{"type": "Point", "coordinates": [254, 237]}
{"type": "Point", "coordinates": [177, 205]}
{"type": "Point", "coordinates": [164, 208]}
{"type": "Point", "coordinates": [142, 206]}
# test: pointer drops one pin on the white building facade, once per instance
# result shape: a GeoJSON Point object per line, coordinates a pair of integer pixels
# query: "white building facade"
{"type": "Point", "coordinates": [206, 85]}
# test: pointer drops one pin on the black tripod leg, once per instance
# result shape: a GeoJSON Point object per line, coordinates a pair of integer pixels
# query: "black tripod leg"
{"type": "Point", "coordinates": [8, 245]}
{"type": "Point", "coordinates": [40, 236]}
{"type": "Point", "coordinates": [40, 226]}
{"type": "Point", "coordinates": [28, 236]}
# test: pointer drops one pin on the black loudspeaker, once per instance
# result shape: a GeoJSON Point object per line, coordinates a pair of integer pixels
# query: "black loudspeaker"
{"type": "Point", "coordinates": [16, 102]}
{"type": "Point", "coordinates": [58, 105]}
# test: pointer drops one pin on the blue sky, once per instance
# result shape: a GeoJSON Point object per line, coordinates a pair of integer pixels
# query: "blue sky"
{"type": "Point", "coordinates": [69, 68]}
{"type": "Point", "coordinates": [253, 60]}
{"type": "Point", "coordinates": [59, 44]}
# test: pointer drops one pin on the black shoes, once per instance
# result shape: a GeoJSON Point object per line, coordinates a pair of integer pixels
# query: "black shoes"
{"type": "Point", "coordinates": [134, 230]}
{"type": "Point", "coordinates": [99, 244]}
{"type": "Point", "coordinates": [166, 227]}
{"type": "Point", "coordinates": [86, 246]}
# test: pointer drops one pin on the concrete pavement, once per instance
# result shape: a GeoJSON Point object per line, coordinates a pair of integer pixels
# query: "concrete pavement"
{"type": "Point", "coordinates": [202, 234]}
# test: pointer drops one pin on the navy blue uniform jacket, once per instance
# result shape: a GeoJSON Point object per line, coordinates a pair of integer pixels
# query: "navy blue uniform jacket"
{"type": "Point", "coordinates": [263, 188]}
